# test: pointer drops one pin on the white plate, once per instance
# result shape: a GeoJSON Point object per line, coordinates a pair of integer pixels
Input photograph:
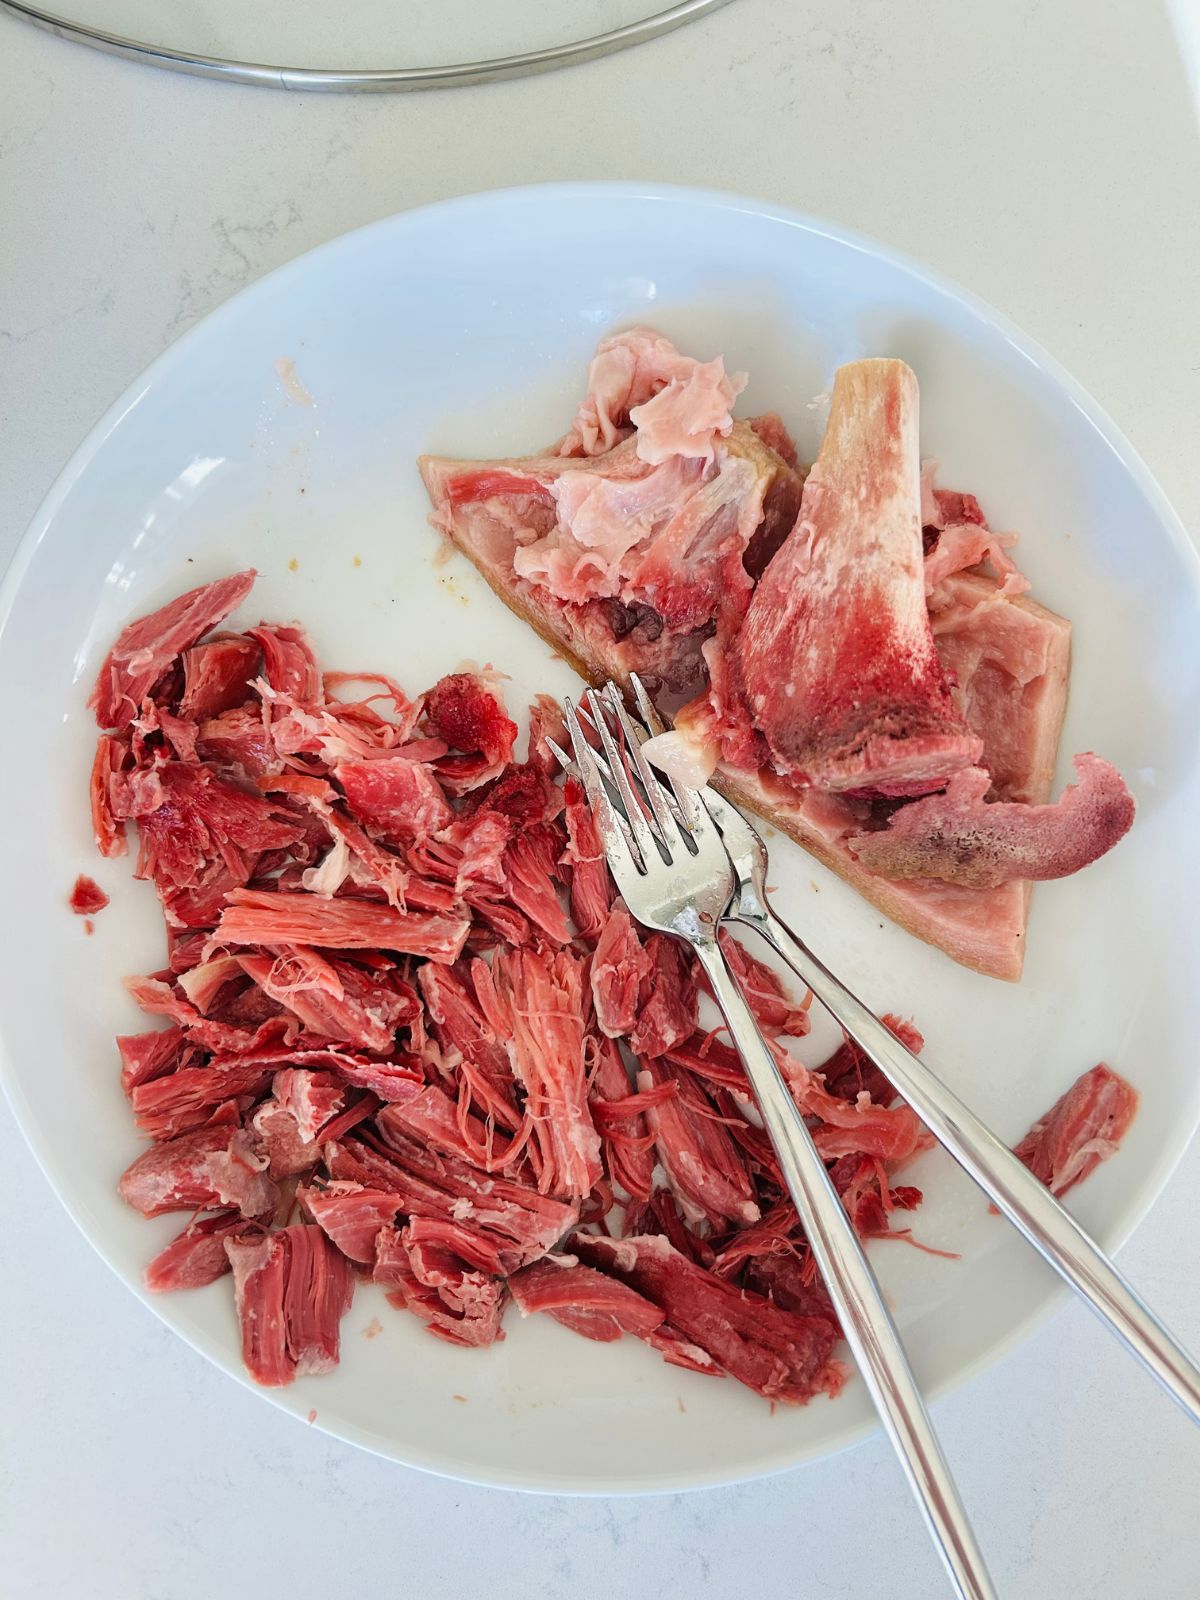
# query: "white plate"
{"type": "Point", "coordinates": [466, 328]}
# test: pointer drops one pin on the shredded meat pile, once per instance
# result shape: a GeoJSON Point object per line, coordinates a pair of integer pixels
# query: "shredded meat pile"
{"type": "Point", "coordinates": [406, 1032]}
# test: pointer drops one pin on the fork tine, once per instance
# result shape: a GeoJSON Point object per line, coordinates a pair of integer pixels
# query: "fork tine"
{"type": "Point", "coordinates": [612, 827]}
{"type": "Point", "coordinates": [566, 762]}
{"type": "Point", "coordinates": [689, 810]}
{"type": "Point", "coordinates": [585, 720]}
{"type": "Point", "coordinates": [668, 827]}
{"type": "Point", "coordinates": [651, 724]}
{"type": "Point", "coordinates": [634, 813]}
{"type": "Point", "coordinates": [569, 766]}
{"type": "Point", "coordinates": [646, 706]}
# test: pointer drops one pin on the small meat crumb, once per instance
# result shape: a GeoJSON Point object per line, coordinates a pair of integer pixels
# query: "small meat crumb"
{"type": "Point", "coordinates": [312, 1416]}
{"type": "Point", "coordinates": [461, 1397]}
{"type": "Point", "coordinates": [372, 1328]}
{"type": "Point", "coordinates": [285, 369]}
{"type": "Point", "coordinates": [89, 927]}
{"type": "Point", "coordinates": [87, 897]}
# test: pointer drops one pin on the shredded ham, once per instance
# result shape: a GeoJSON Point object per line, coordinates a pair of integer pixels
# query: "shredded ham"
{"type": "Point", "coordinates": [410, 1034]}
{"type": "Point", "coordinates": [1080, 1130]}
{"type": "Point", "coordinates": [292, 1290]}
{"type": "Point", "coordinates": [147, 648]}
{"type": "Point", "coordinates": [87, 897]}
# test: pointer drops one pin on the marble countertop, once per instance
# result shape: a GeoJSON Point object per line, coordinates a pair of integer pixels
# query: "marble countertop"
{"type": "Point", "coordinates": [1045, 153]}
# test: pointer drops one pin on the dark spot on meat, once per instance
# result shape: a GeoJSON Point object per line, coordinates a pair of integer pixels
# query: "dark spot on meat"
{"type": "Point", "coordinates": [781, 507]}
{"type": "Point", "coordinates": [640, 621]}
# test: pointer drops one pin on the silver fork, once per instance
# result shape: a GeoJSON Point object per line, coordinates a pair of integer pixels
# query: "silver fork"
{"type": "Point", "coordinates": [680, 880]}
{"type": "Point", "coordinates": [1026, 1202]}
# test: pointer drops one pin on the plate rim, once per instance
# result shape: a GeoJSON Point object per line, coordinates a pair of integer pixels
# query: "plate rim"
{"type": "Point", "coordinates": [1029, 349]}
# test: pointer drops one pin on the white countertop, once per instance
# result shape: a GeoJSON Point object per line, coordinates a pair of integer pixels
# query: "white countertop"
{"type": "Point", "coordinates": [1043, 152]}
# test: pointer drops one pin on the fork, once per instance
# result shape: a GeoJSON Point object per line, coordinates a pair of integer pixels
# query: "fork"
{"type": "Point", "coordinates": [676, 877]}
{"type": "Point", "coordinates": [1007, 1182]}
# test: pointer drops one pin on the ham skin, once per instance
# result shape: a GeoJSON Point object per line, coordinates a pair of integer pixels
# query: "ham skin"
{"type": "Point", "coordinates": [981, 928]}
{"type": "Point", "coordinates": [959, 837]}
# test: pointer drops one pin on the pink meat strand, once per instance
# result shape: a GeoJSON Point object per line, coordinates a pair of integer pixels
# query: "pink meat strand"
{"type": "Point", "coordinates": [1082, 1128]}
{"type": "Point", "coordinates": [210, 1167]}
{"type": "Point", "coordinates": [351, 1214]}
{"type": "Point", "coordinates": [590, 1302]}
{"type": "Point", "coordinates": [217, 676]}
{"type": "Point", "coordinates": [779, 1354]}
{"type": "Point", "coordinates": [707, 1172]}
{"type": "Point", "coordinates": [197, 1256]}
{"type": "Point", "coordinates": [146, 648]}
{"type": "Point", "coordinates": [292, 1289]}
{"type": "Point", "coordinates": [535, 1001]}
{"type": "Point", "coordinates": [398, 799]}
{"type": "Point", "coordinates": [265, 916]}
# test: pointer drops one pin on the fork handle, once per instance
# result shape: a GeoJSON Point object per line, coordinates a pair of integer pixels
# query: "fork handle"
{"type": "Point", "coordinates": [1023, 1199]}
{"type": "Point", "coordinates": [866, 1321]}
